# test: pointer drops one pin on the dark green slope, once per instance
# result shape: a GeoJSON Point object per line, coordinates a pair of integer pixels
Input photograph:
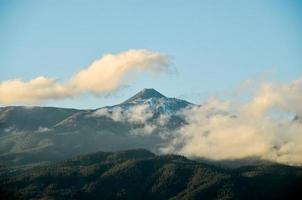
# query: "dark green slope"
{"type": "Point", "coordinates": [139, 174]}
{"type": "Point", "coordinates": [31, 118]}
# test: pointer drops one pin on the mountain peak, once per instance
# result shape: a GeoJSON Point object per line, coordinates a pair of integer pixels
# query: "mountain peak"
{"type": "Point", "coordinates": [146, 93]}
{"type": "Point", "coordinates": [150, 92]}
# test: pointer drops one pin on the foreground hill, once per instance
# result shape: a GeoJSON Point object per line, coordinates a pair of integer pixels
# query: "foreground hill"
{"type": "Point", "coordinates": [139, 174]}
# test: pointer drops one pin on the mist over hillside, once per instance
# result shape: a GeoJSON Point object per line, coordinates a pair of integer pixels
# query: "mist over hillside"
{"type": "Point", "coordinates": [42, 134]}
{"type": "Point", "coordinates": [212, 132]}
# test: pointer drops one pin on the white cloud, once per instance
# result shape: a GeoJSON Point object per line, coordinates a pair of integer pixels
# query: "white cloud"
{"type": "Point", "coordinates": [139, 115]}
{"type": "Point", "coordinates": [147, 129]}
{"type": "Point", "coordinates": [136, 114]}
{"type": "Point", "coordinates": [116, 114]}
{"type": "Point", "coordinates": [285, 97]}
{"type": "Point", "coordinates": [33, 91]}
{"type": "Point", "coordinates": [221, 130]}
{"type": "Point", "coordinates": [103, 75]}
{"type": "Point", "coordinates": [43, 129]}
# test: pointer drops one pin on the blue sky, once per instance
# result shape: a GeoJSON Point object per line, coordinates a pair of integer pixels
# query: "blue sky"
{"type": "Point", "coordinates": [214, 45]}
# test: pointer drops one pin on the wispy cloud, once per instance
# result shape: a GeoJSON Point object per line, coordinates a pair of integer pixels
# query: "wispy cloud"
{"type": "Point", "coordinates": [104, 75]}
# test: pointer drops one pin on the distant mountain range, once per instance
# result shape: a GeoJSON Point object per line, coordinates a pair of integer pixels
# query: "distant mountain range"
{"type": "Point", "coordinates": [60, 153]}
{"type": "Point", "coordinates": [40, 134]}
{"type": "Point", "coordinates": [139, 174]}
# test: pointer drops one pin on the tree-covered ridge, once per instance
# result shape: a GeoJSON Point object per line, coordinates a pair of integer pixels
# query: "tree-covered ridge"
{"type": "Point", "coordinates": [139, 174]}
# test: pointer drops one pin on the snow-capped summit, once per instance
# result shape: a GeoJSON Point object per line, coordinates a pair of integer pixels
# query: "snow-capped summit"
{"type": "Point", "coordinates": [145, 94]}
{"type": "Point", "coordinates": [156, 101]}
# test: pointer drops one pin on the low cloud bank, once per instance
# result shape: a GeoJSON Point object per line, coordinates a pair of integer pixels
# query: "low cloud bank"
{"type": "Point", "coordinates": [264, 126]}
{"type": "Point", "coordinates": [104, 75]}
{"type": "Point", "coordinates": [139, 115]}
{"type": "Point", "coordinates": [135, 114]}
